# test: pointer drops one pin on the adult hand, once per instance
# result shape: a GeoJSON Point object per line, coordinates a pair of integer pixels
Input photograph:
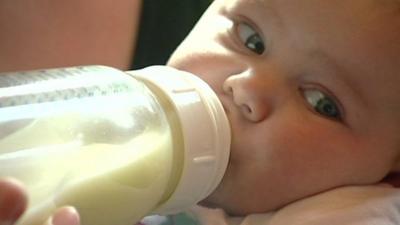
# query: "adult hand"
{"type": "Point", "coordinates": [13, 202]}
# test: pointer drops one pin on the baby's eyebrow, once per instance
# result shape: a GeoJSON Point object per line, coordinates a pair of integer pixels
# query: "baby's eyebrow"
{"type": "Point", "coordinates": [271, 10]}
{"type": "Point", "coordinates": [390, 3]}
{"type": "Point", "coordinates": [397, 2]}
{"type": "Point", "coordinates": [339, 72]}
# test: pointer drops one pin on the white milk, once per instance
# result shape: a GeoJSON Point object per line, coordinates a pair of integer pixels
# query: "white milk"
{"type": "Point", "coordinates": [108, 184]}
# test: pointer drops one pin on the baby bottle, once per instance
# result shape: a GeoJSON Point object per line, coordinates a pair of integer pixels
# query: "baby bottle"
{"type": "Point", "coordinates": [115, 145]}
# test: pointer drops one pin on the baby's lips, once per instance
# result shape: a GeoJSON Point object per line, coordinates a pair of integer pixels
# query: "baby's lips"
{"type": "Point", "coordinates": [13, 200]}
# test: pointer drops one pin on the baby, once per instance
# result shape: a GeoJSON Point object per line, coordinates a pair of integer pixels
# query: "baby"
{"type": "Point", "coordinates": [312, 91]}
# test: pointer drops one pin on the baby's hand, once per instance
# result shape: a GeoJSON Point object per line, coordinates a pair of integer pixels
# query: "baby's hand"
{"type": "Point", "coordinates": [356, 205]}
{"type": "Point", "coordinates": [13, 202]}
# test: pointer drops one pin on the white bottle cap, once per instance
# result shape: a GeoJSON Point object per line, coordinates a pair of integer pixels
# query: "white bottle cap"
{"type": "Point", "coordinates": [205, 129]}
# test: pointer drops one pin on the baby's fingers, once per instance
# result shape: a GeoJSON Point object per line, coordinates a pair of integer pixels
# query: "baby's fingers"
{"type": "Point", "coordinates": [64, 216]}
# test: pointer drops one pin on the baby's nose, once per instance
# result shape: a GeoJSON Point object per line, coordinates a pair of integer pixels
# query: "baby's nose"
{"type": "Point", "coordinates": [248, 95]}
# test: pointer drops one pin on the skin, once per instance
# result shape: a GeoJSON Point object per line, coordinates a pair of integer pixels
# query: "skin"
{"type": "Point", "coordinates": [13, 202]}
{"type": "Point", "coordinates": [282, 149]}
{"type": "Point", "coordinates": [285, 147]}
{"type": "Point", "coordinates": [48, 34]}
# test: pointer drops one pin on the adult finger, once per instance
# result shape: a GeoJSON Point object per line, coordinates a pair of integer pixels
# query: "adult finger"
{"type": "Point", "coordinates": [64, 216]}
{"type": "Point", "coordinates": [13, 200]}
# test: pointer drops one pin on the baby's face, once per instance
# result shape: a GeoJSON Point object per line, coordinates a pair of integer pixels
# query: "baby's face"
{"type": "Point", "coordinates": [312, 91]}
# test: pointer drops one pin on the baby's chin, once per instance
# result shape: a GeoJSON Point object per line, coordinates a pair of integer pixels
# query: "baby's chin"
{"type": "Point", "coordinates": [230, 209]}
{"type": "Point", "coordinates": [211, 205]}
{"type": "Point", "coordinates": [235, 204]}
{"type": "Point", "coordinates": [207, 204]}
{"type": "Point", "coordinates": [213, 202]}
{"type": "Point", "coordinates": [210, 201]}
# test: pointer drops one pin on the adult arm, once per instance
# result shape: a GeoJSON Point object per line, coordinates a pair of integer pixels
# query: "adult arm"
{"type": "Point", "coordinates": [55, 33]}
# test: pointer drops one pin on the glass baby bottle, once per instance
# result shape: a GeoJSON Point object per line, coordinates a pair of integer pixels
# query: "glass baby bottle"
{"type": "Point", "coordinates": [115, 145]}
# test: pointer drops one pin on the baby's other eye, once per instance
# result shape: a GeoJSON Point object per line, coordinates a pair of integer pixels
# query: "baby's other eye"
{"type": "Point", "coordinates": [250, 38]}
{"type": "Point", "coordinates": [322, 103]}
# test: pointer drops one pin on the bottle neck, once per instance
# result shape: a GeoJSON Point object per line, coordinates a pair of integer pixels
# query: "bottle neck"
{"type": "Point", "coordinates": [176, 141]}
{"type": "Point", "coordinates": [204, 128]}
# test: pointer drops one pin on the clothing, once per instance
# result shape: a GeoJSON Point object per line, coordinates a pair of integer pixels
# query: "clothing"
{"type": "Point", "coordinates": [163, 26]}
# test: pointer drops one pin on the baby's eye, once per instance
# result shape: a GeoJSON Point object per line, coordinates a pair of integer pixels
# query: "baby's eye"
{"type": "Point", "coordinates": [323, 104]}
{"type": "Point", "coordinates": [250, 38]}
